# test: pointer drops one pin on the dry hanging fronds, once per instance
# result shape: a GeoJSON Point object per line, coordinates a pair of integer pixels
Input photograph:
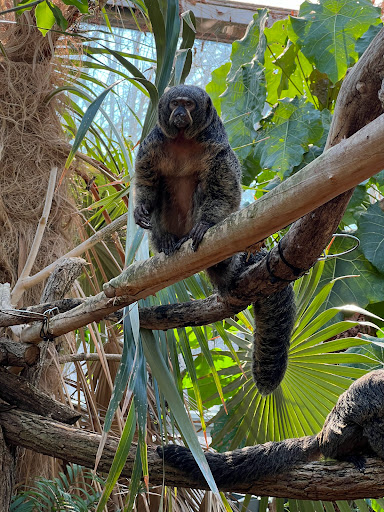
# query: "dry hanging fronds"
{"type": "Point", "coordinates": [32, 142]}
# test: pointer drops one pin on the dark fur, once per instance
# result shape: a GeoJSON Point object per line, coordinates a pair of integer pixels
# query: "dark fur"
{"type": "Point", "coordinates": [189, 180]}
{"type": "Point", "coordinates": [354, 428]}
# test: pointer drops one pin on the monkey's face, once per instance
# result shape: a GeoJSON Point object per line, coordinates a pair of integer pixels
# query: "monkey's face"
{"type": "Point", "coordinates": [181, 109]}
{"type": "Point", "coordinates": [185, 109]}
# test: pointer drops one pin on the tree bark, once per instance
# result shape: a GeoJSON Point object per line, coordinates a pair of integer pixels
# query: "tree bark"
{"type": "Point", "coordinates": [313, 481]}
{"type": "Point", "coordinates": [7, 472]}
{"type": "Point", "coordinates": [18, 391]}
{"type": "Point", "coordinates": [17, 354]}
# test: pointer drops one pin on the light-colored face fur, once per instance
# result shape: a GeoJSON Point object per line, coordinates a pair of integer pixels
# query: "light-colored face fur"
{"type": "Point", "coordinates": [185, 108]}
{"type": "Point", "coordinates": [181, 109]}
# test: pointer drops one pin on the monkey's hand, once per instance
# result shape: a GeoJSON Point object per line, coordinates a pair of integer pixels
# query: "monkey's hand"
{"type": "Point", "coordinates": [196, 234]}
{"type": "Point", "coordinates": [142, 216]}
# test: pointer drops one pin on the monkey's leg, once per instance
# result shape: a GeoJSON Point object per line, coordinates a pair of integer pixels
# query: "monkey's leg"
{"type": "Point", "coordinates": [164, 242]}
{"type": "Point", "coordinates": [374, 431]}
{"type": "Point", "coordinates": [222, 274]}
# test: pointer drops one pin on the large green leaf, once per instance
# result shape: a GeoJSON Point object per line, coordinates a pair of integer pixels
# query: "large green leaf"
{"type": "Point", "coordinates": [362, 290]}
{"type": "Point", "coordinates": [45, 18]}
{"type": "Point", "coordinates": [242, 104]}
{"type": "Point", "coordinates": [286, 68]}
{"type": "Point", "coordinates": [218, 84]}
{"type": "Point", "coordinates": [327, 32]}
{"type": "Point", "coordinates": [295, 124]}
{"type": "Point", "coordinates": [371, 234]}
{"type": "Point", "coordinates": [251, 46]}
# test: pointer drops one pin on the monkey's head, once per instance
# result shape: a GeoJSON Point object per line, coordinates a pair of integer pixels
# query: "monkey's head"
{"type": "Point", "coordinates": [185, 109]}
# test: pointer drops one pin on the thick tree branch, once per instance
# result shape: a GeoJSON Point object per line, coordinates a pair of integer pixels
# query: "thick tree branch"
{"type": "Point", "coordinates": [18, 391]}
{"type": "Point", "coordinates": [314, 481]}
{"type": "Point", "coordinates": [334, 172]}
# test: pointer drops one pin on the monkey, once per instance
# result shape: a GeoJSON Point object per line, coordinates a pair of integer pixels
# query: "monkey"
{"type": "Point", "coordinates": [187, 179]}
{"type": "Point", "coordinates": [352, 430]}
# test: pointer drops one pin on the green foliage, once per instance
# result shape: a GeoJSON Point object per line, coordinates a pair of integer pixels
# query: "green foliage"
{"type": "Point", "coordinates": [289, 131]}
{"type": "Point", "coordinates": [73, 491]}
{"type": "Point", "coordinates": [327, 33]}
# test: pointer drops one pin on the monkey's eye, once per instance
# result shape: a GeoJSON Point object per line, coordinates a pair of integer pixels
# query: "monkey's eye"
{"type": "Point", "coordinates": [189, 104]}
{"type": "Point", "coordinates": [174, 104]}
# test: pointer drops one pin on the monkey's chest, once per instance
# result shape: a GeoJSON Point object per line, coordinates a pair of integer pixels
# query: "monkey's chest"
{"type": "Point", "coordinates": [182, 166]}
{"type": "Point", "coordinates": [184, 159]}
{"type": "Point", "coordinates": [179, 210]}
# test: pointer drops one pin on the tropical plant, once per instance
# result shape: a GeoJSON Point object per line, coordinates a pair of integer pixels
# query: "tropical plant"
{"type": "Point", "coordinates": [72, 491]}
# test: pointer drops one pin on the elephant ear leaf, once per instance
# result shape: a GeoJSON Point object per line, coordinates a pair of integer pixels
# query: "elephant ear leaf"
{"type": "Point", "coordinates": [327, 33]}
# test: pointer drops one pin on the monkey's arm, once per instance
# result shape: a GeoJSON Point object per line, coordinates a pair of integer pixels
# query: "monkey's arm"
{"type": "Point", "coordinates": [146, 179]}
{"type": "Point", "coordinates": [222, 194]}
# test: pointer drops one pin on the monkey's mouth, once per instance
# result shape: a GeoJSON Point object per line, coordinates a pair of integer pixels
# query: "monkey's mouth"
{"type": "Point", "coordinates": [181, 122]}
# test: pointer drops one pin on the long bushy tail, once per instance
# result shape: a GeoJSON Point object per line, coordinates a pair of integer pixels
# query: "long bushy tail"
{"type": "Point", "coordinates": [274, 318]}
{"type": "Point", "coordinates": [245, 465]}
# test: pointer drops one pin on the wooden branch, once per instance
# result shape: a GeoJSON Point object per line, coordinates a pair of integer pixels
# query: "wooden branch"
{"type": "Point", "coordinates": [71, 358]}
{"type": "Point", "coordinates": [18, 391]}
{"type": "Point", "coordinates": [7, 472]}
{"type": "Point", "coordinates": [59, 283]}
{"type": "Point", "coordinates": [19, 287]}
{"type": "Point", "coordinates": [9, 316]}
{"type": "Point", "coordinates": [18, 354]}
{"type": "Point", "coordinates": [334, 172]}
{"type": "Point", "coordinates": [327, 481]}
{"type": "Point", "coordinates": [198, 312]}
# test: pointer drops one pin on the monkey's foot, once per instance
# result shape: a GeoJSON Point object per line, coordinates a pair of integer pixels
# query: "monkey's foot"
{"type": "Point", "coordinates": [142, 216]}
{"type": "Point", "coordinates": [357, 460]}
{"type": "Point", "coordinates": [196, 234]}
{"type": "Point", "coordinates": [167, 244]}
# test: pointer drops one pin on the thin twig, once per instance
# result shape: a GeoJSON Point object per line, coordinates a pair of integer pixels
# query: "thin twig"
{"type": "Point", "coordinates": [71, 358]}
{"type": "Point", "coordinates": [19, 286]}
{"type": "Point", "coordinates": [105, 232]}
